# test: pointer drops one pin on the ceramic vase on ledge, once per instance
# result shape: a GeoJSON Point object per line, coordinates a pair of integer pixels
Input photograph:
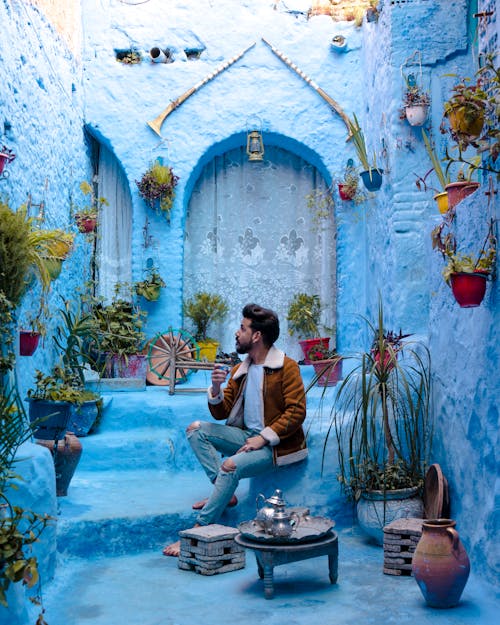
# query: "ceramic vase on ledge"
{"type": "Point", "coordinates": [440, 563]}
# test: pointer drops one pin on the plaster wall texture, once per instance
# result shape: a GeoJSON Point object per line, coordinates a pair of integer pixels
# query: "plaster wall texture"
{"type": "Point", "coordinates": [43, 108]}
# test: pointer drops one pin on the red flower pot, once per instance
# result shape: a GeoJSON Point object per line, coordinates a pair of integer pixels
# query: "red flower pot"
{"type": "Point", "coordinates": [28, 342]}
{"type": "Point", "coordinates": [5, 157]}
{"type": "Point", "coordinates": [86, 224]}
{"type": "Point", "coordinates": [328, 373]}
{"type": "Point", "coordinates": [457, 191]}
{"type": "Point", "coordinates": [342, 193]}
{"type": "Point", "coordinates": [307, 344]}
{"type": "Point", "coordinates": [468, 288]}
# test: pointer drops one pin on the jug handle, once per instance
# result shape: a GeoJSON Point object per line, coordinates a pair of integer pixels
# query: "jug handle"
{"type": "Point", "coordinates": [295, 519]}
{"type": "Point", "coordinates": [257, 499]}
{"type": "Point", "coordinates": [455, 538]}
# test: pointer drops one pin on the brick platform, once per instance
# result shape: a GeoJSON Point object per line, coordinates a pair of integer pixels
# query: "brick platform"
{"type": "Point", "coordinates": [210, 550]}
{"type": "Point", "coordinates": [400, 540]}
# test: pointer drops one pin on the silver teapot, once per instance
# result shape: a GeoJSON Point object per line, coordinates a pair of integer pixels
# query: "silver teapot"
{"type": "Point", "coordinates": [273, 517]}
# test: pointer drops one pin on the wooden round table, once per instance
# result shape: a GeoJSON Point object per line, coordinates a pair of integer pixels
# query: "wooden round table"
{"type": "Point", "coordinates": [271, 554]}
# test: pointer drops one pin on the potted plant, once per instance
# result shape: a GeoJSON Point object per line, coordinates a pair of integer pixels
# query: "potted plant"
{"type": "Point", "coordinates": [484, 96]}
{"type": "Point", "coordinates": [416, 103]}
{"type": "Point", "coordinates": [204, 308]}
{"type": "Point", "coordinates": [442, 175]}
{"type": "Point", "coordinates": [348, 185]}
{"type": "Point", "coordinates": [6, 156]}
{"type": "Point", "coordinates": [381, 419]}
{"type": "Point", "coordinates": [466, 274]}
{"type": "Point", "coordinates": [26, 250]}
{"type": "Point", "coordinates": [372, 11]}
{"type": "Point", "coordinates": [371, 176]}
{"type": "Point", "coordinates": [118, 350]}
{"type": "Point", "coordinates": [303, 317]}
{"type": "Point", "coordinates": [86, 216]}
{"type": "Point", "coordinates": [151, 286]}
{"type": "Point", "coordinates": [19, 527]}
{"type": "Point", "coordinates": [157, 187]}
{"type": "Point", "coordinates": [327, 365]}
{"type": "Point", "coordinates": [460, 189]}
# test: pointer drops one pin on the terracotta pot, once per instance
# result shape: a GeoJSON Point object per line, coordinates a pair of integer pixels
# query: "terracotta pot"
{"type": "Point", "coordinates": [66, 454]}
{"type": "Point", "coordinates": [465, 121]}
{"type": "Point", "coordinates": [440, 564]}
{"type": "Point", "coordinates": [86, 223]}
{"type": "Point", "coordinates": [417, 114]}
{"type": "Point", "coordinates": [457, 191]}
{"type": "Point", "coordinates": [343, 194]}
{"type": "Point", "coordinates": [442, 202]}
{"type": "Point", "coordinates": [378, 508]}
{"type": "Point", "coordinates": [28, 342]}
{"type": "Point", "coordinates": [372, 178]}
{"type": "Point", "coordinates": [328, 375]}
{"type": "Point", "coordinates": [307, 344]}
{"type": "Point", "coordinates": [134, 366]}
{"type": "Point", "coordinates": [469, 288]}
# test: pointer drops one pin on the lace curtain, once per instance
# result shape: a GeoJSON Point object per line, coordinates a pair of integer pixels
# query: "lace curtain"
{"type": "Point", "coordinates": [115, 226]}
{"type": "Point", "coordinates": [251, 236]}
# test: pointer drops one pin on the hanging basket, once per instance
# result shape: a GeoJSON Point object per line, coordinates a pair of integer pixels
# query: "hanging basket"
{"type": "Point", "coordinates": [469, 288]}
{"type": "Point", "coordinates": [28, 342]}
{"type": "Point", "coordinates": [372, 178]}
{"type": "Point", "coordinates": [458, 191]}
{"type": "Point", "coordinates": [86, 223]}
{"type": "Point", "coordinates": [417, 114]}
{"type": "Point", "coordinates": [442, 202]}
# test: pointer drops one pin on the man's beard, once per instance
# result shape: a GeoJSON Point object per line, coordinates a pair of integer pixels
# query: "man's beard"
{"type": "Point", "coordinates": [242, 348]}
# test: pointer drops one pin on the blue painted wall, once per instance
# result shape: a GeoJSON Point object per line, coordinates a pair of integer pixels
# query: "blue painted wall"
{"type": "Point", "coordinates": [48, 94]}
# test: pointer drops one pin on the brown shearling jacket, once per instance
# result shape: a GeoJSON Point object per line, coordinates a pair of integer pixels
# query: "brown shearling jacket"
{"type": "Point", "coordinates": [284, 405]}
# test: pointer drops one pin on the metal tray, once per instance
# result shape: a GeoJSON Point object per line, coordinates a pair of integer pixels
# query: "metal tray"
{"type": "Point", "coordinates": [309, 528]}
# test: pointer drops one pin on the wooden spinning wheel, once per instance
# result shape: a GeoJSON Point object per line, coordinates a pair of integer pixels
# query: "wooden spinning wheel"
{"type": "Point", "coordinates": [168, 353]}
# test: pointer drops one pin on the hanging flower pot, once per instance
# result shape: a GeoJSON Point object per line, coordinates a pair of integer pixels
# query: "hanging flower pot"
{"type": "Point", "coordinates": [308, 344]}
{"type": "Point", "coordinates": [457, 191]}
{"type": "Point", "coordinates": [417, 114]}
{"type": "Point", "coordinates": [345, 192]}
{"type": "Point", "coordinates": [372, 178]}
{"type": "Point", "coordinates": [442, 202]}
{"type": "Point", "coordinates": [28, 342]}
{"type": "Point", "coordinates": [469, 288]}
{"type": "Point", "coordinates": [54, 267]}
{"type": "Point", "coordinates": [86, 223]}
{"type": "Point", "coordinates": [466, 121]}
{"type": "Point", "coordinates": [6, 156]}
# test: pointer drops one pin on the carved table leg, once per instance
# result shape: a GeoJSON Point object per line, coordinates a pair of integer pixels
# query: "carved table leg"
{"type": "Point", "coordinates": [333, 566]}
{"type": "Point", "coordinates": [268, 581]}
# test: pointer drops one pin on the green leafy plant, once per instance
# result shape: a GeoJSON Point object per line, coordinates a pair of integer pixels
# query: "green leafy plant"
{"type": "Point", "coordinates": [441, 174]}
{"type": "Point", "coordinates": [19, 528]}
{"type": "Point", "coordinates": [414, 95]}
{"type": "Point", "coordinates": [157, 187]}
{"type": "Point", "coordinates": [203, 309]}
{"type": "Point", "coordinates": [381, 415]}
{"type": "Point", "coordinates": [149, 288]}
{"type": "Point", "coordinates": [460, 262]}
{"type": "Point", "coordinates": [358, 140]}
{"type": "Point", "coordinates": [95, 203]}
{"type": "Point", "coordinates": [304, 312]}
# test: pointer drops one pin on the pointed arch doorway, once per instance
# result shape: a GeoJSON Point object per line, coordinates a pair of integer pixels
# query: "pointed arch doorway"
{"type": "Point", "coordinates": [251, 236]}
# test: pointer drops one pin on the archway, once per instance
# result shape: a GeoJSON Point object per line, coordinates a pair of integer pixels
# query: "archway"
{"type": "Point", "coordinates": [251, 235]}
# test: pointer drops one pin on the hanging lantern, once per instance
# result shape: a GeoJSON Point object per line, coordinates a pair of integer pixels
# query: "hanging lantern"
{"type": "Point", "coordinates": [255, 145]}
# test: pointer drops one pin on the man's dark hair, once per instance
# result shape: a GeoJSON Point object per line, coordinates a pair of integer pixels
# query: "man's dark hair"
{"type": "Point", "coordinates": [264, 320]}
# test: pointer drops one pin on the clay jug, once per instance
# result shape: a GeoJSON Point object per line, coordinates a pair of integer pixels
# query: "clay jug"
{"type": "Point", "coordinates": [66, 454]}
{"type": "Point", "coordinates": [440, 563]}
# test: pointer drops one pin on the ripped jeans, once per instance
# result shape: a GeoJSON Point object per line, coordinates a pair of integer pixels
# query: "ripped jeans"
{"type": "Point", "coordinates": [209, 441]}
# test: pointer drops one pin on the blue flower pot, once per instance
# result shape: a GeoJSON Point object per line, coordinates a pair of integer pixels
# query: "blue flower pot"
{"type": "Point", "coordinates": [50, 418]}
{"type": "Point", "coordinates": [372, 178]}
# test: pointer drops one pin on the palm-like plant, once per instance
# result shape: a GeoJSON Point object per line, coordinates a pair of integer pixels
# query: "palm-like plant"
{"type": "Point", "coordinates": [381, 416]}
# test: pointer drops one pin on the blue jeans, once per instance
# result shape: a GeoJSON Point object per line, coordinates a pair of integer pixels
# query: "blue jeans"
{"type": "Point", "coordinates": [208, 442]}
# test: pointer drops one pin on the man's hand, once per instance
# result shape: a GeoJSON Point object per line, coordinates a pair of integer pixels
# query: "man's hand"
{"type": "Point", "coordinates": [219, 374]}
{"type": "Point", "coordinates": [253, 443]}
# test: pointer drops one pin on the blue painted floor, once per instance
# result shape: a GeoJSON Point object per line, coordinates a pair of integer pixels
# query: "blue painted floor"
{"type": "Point", "coordinates": [132, 492]}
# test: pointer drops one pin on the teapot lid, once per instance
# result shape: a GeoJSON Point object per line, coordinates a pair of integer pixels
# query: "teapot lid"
{"type": "Point", "coordinates": [277, 498]}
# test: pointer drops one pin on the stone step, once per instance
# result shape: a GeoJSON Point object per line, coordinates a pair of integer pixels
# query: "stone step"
{"type": "Point", "coordinates": [140, 448]}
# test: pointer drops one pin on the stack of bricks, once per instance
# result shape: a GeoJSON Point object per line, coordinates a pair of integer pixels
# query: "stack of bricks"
{"type": "Point", "coordinates": [210, 550]}
{"type": "Point", "coordinates": [400, 540]}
